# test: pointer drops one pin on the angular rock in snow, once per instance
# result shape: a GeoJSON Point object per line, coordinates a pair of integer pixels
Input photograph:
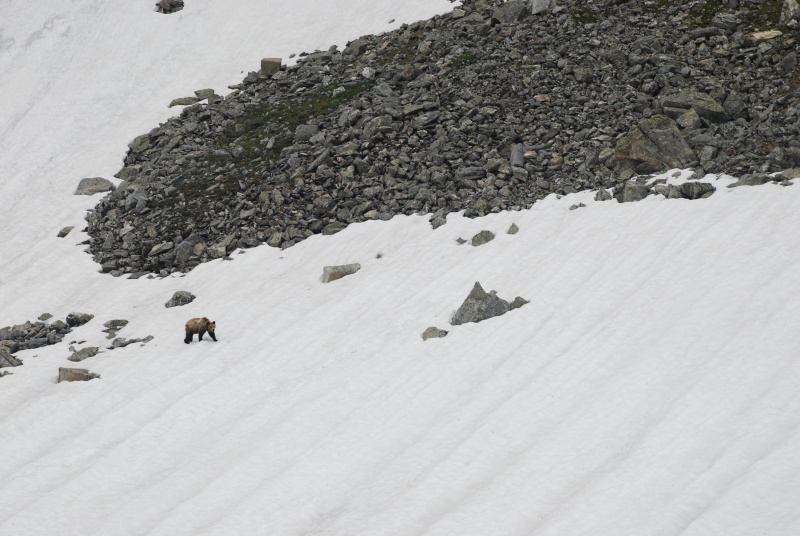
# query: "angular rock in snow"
{"type": "Point", "coordinates": [697, 190]}
{"type": "Point", "coordinates": [433, 333]}
{"type": "Point", "coordinates": [78, 319]}
{"type": "Point", "coordinates": [632, 191]}
{"type": "Point", "coordinates": [332, 273]}
{"type": "Point", "coordinates": [84, 353]}
{"type": "Point", "coordinates": [513, 229]}
{"type": "Point", "coordinates": [751, 180]}
{"type": "Point", "coordinates": [94, 185]}
{"type": "Point", "coordinates": [482, 238]}
{"type": "Point", "coordinates": [75, 375]}
{"type": "Point", "coordinates": [479, 306]}
{"type": "Point", "coordinates": [122, 342]}
{"type": "Point", "coordinates": [181, 297]}
{"type": "Point", "coordinates": [65, 231]}
{"type": "Point", "coordinates": [8, 360]}
{"type": "Point", "coordinates": [603, 195]}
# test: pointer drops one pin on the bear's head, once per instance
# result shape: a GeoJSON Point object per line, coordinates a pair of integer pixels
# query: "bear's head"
{"type": "Point", "coordinates": [211, 326]}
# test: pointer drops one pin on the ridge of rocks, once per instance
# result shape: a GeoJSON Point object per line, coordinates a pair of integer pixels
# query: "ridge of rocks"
{"type": "Point", "coordinates": [490, 107]}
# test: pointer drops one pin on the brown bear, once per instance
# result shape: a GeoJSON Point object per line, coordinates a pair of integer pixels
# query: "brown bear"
{"type": "Point", "coordinates": [199, 326]}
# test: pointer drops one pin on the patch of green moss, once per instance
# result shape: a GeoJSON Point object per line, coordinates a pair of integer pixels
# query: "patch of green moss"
{"type": "Point", "coordinates": [262, 132]}
{"type": "Point", "coordinates": [467, 58]}
{"type": "Point", "coordinates": [703, 12]}
{"type": "Point", "coordinates": [583, 15]}
{"type": "Point", "coordinates": [763, 16]}
{"type": "Point", "coordinates": [402, 53]}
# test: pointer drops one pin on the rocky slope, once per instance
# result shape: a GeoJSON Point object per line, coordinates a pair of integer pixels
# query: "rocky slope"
{"type": "Point", "coordinates": [490, 107]}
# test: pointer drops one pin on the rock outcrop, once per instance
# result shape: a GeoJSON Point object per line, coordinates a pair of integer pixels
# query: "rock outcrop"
{"type": "Point", "coordinates": [480, 305]}
{"type": "Point", "coordinates": [490, 107]}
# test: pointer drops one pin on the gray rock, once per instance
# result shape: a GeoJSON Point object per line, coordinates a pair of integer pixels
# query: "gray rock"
{"type": "Point", "coordinates": [84, 353]}
{"type": "Point", "coordinates": [670, 191]}
{"type": "Point", "coordinates": [45, 316]}
{"type": "Point", "coordinates": [78, 319]}
{"type": "Point", "coordinates": [697, 190]}
{"type": "Point", "coordinates": [632, 191]}
{"type": "Point", "coordinates": [603, 195]}
{"type": "Point", "coordinates": [583, 75]}
{"type": "Point", "coordinates": [433, 333]}
{"type": "Point", "coordinates": [181, 297]}
{"type": "Point", "coordinates": [305, 132]}
{"type": "Point", "coordinates": [542, 6]}
{"type": "Point", "coordinates": [751, 180]}
{"type": "Point", "coordinates": [513, 229]}
{"type": "Point", "coordinates": [332, 273]}
{"type": "Point", "coordinates": [75, 375]}
{"type": "Point", "coordinates": [511, 11]}
{"type": "Point", "coordinates": [8, 360]}
{"type": "Point", "coordinates": [333, 228]}
{"type": "Point", "coordinates": [270, 66]}
{"type": "Point", "coordinates": [65, 231]}
{"type": "Point", "coordinates": [356, 47]}
{"type": "Point", "coordinates": [184, 101]}
{"type": "Point", "coordinates": [705, 106]}
{"type": "Point", "coordinates": [203, 94]}
{"type": "Point", "coordinates": [479, 306]}
{"type": "Point", "coordinates": [94, 185]}
{"type": "Point", "coordinates": [482, 238]}
{"type": "Point", "coordinates": [652, 146]}
{"type": "Point", "coordinates": [790, 11]}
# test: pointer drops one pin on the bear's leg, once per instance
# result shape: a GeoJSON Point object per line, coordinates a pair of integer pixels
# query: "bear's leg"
{"type": "Point", "coordinates": [189, 337]}
{"type": "Point", "coordinates": [211, 334]}
{"type": "Point", "coordinates": [200, 335]}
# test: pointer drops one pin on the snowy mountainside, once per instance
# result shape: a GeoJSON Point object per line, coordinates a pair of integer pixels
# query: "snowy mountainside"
{"type": "Point", "coordinates": [649, 387]}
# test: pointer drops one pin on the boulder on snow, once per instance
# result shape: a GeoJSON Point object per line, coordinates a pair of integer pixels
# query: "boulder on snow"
{"type": "Point", "coordinates": [482, 238]}
{"type": "Point", "coordinates": [75, 375]}
{"type": "Point", "coordinates": [433, 333]}
{"type": "Point", "coordinates": [479, 306]}
{"type": "Point", "coordinates": [78, 319]}
{"type": "Point", "coordinates": [84, 353]}
{"type": "Point", "coordinates": [94, 185]}
{"type": "Point", "coordinates": [181, 297]}
{"type": "Point", "coordinates": [332, 273]}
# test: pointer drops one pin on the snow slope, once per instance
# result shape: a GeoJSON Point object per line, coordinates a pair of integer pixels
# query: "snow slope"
{"type": "Point", "coordinates": [649, 388]}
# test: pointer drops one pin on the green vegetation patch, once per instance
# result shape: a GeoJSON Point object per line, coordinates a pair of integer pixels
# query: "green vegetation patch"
{"type": "Point", "coordinates": [703, 12]}
{"type": "Point", "coordinates": [262, 132]}
{"type": "Point", "coordinates": [467, 58]}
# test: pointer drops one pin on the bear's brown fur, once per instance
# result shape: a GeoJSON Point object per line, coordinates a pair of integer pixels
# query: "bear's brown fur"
{"type": "Point", "coordinates": [199, 326]}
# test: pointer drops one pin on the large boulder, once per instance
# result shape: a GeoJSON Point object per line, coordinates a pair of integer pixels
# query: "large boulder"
{"type": "Point", "coordinates": [433, 333]}
{"type": "Point", "coordinates": [542, 6]}
{"type": "Point", "coordinates": [181, 297]}
{"type": "Point", "coordinates": [270, 66]}
{"type": "Point", "coordinates": [705, 106]}
{"type": "Point", "coordinates": [75, 375]}
{"type": "Point", "coordinates": [511, 11]}
{"type": "Point", "coordinates": [332, 273]}
{"type": "Point", "coordinates": [78, 319]}
{"type": "Point", "coordinates": [480, 305]}
{"type": "Point", "coordinates": [654, 145]}
{"type": "Point", "coordinates": [94, 185]}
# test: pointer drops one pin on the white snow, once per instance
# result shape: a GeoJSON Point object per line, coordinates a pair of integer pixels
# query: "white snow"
{"type": "Point", "coordinates": [651, 386]}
